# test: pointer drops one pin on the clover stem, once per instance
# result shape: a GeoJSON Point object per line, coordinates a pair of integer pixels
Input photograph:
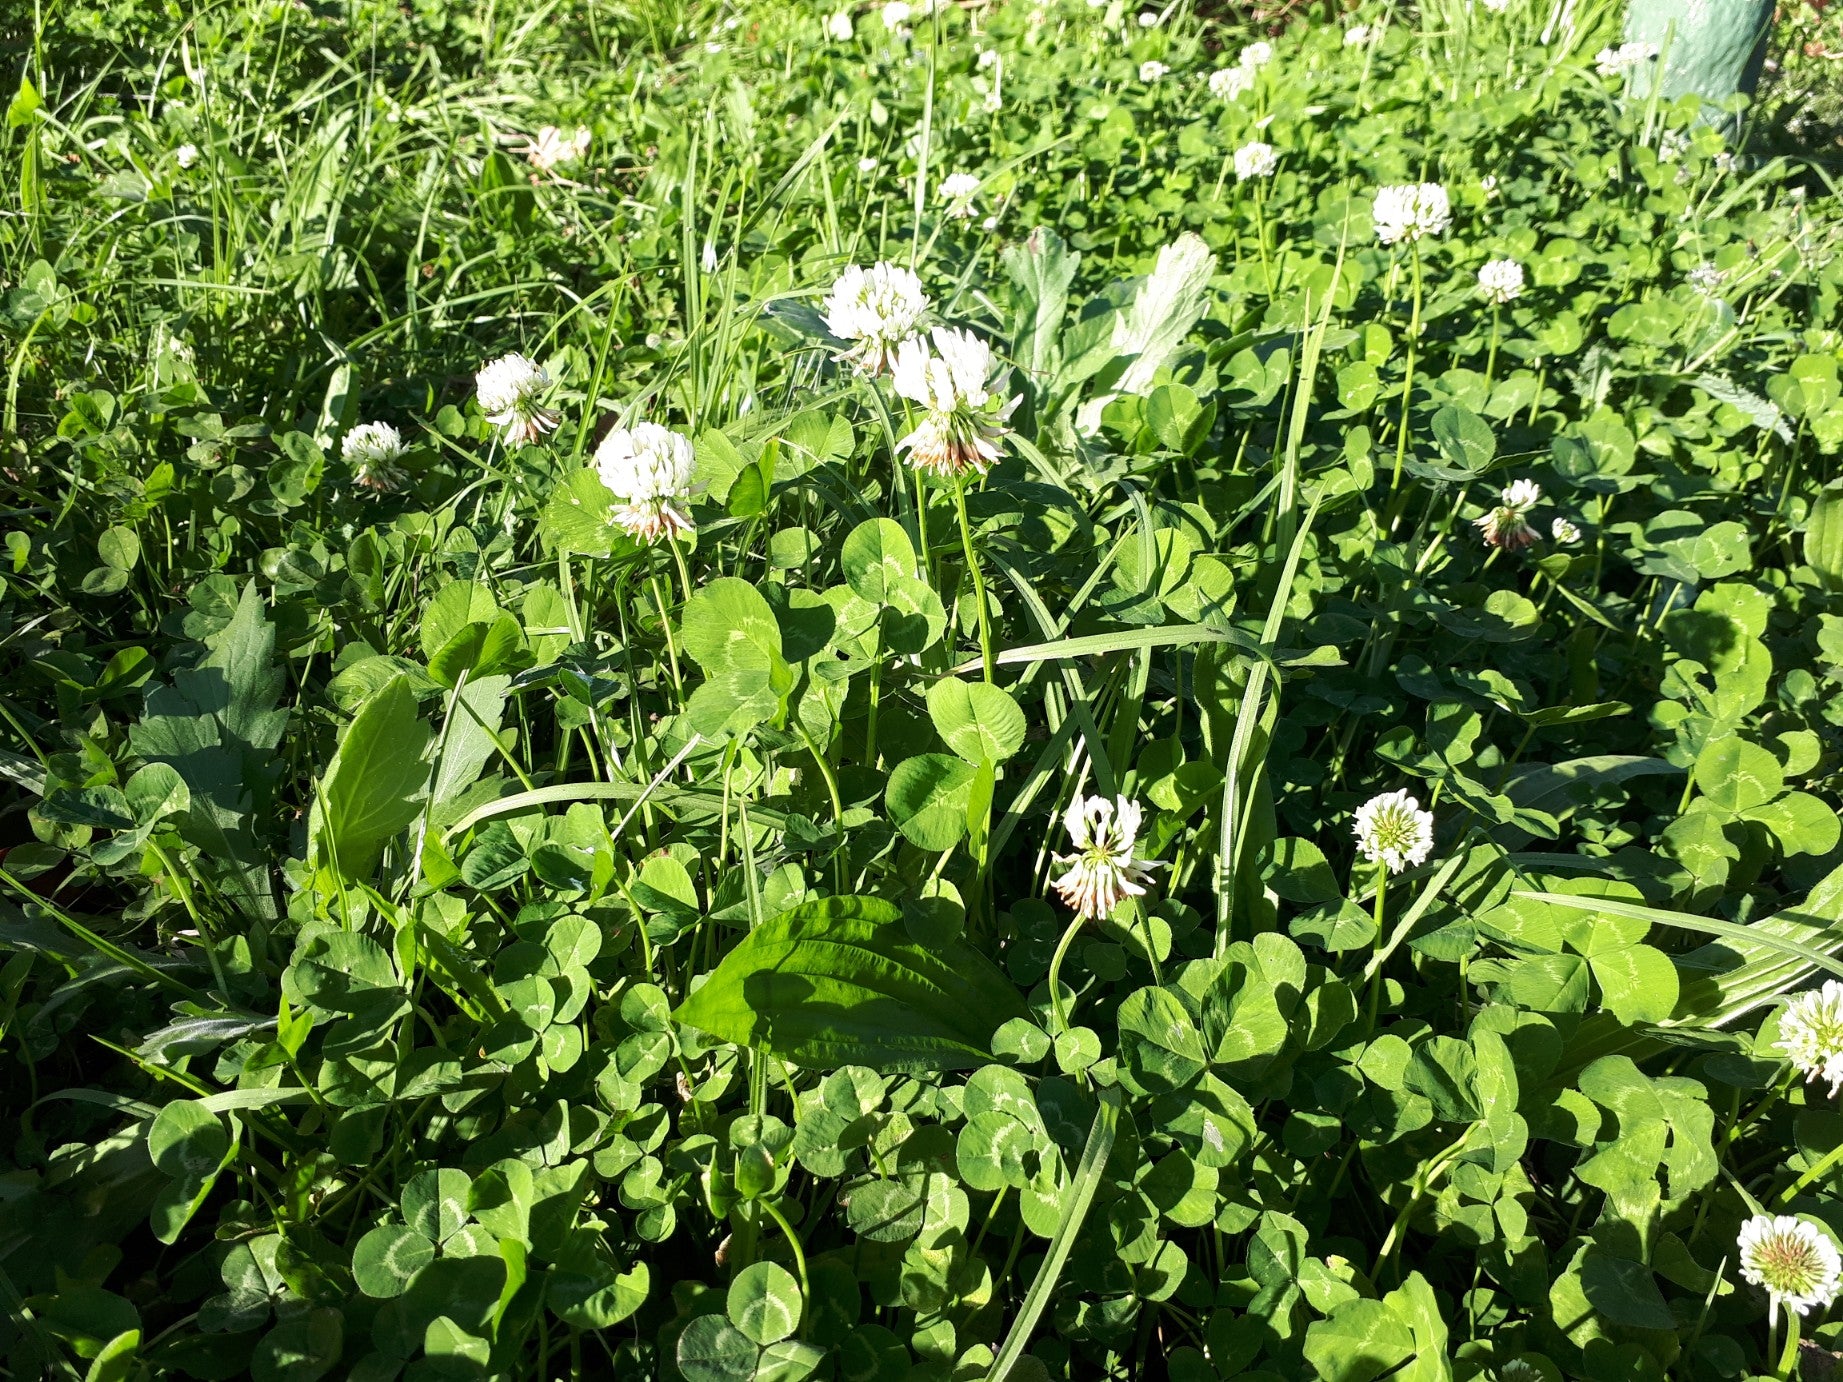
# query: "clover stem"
{"type": "Point", "coordinates": [972, 566]}
{"type": "Point", "coordinates": [1788, 1351]}
{"type": "Point", "coordinates": [1375, 983]}
{"type": "Point", "coordinates": [1407, 383]}
{"type": "Point", "coordinates": [678, 557]}
{"type": "Point", "coordinates": [1491, 354]}
{"type": "Point", "coordinates": [793, 1241]}
{"type": "Point", "coordinates": [665, 623]}
{"type": "Point", "coordinates": [1055, 972]}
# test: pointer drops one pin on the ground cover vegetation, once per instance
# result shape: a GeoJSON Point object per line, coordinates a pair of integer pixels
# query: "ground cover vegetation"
{"type": "Point", "coordinates": [1036, 690]}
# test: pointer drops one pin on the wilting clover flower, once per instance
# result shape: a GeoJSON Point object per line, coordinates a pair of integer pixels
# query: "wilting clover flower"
{"type": "Point", "coordinates": [1228, 83]}
{"type": "Point", "coordinates": [553, 148]}
{"type": "Point", "coordinates": [1501, 281]}
{"type": "Point", "coordinates": [1257, 54]}
{"type": "Point", "coordinates": [1565, 532]}
{"type": "Point", "coordinates": [1411, 211]}
{"type": "Point", "coordinates": [1811, 1034]}
{"type": "Point", "coordinates": [1255, 160]}
{"type": "Point", "coordinates": [875, 309]}
{"type": "Point", "coordinates": [1611, 62]}
{"type": "Point", "coordinates": [838, 26]}
{"type": "Point", "coordinates": [959, 189]}
{"type": "Point", "coordinates": [1795, 1261]}
{"type": "Point", "coordinates": [648, 469]}
{"type": "Point", "coordinates": [1152, 70]}
{"type": "Point", "coordinates": [1507, 525]}
{"type": "Point", "coordinates": [1392, 830]}
{"type": "Point", "coordinates": [1101, 869]}
{"type": "Point", "coordinates": [373, 449]}
{"type": "Point", "coordinates": [509, 389]}
{"type": "Point", "coordinates": [956, 385]}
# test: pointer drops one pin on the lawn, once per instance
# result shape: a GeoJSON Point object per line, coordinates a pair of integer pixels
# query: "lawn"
{"type": "Point", "coordinates": [1035, 690]}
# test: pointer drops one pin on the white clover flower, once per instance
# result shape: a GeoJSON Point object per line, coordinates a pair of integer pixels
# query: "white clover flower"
{"type": "Point", "coordinates": [554, 149]}
{"type": "Point", "coordinates": [1256, 55]}
{"type": "Point", "coordinates": [373, 449]}
{"type": "Point", "coordinates": [1507, 526]}
{"type": "Point", "coordinates": [186, 155]}
{"type": "Point", "coordinates": [1611, 62]}
{"type": "Point", "coordinates": [1725, 162]}
{"type": "Point", "coordinates": [1705, 279]}
{"type": "Point", "coordinates": [1229, 83]}
{"type": "Point", "coordinates": [1255, 160]}
{"type": "Point", "coordinates": [1152, 70]}
{"type": "Point", "coordinates": [1795, 1261]}
{"type": "Point", "coordinates": [993, 102]}
{"type": "Point", "coordinates": [954, 378]}
{"type": "Point", "coordinates": [959, 189]}
{"type": "Point", "coordinates": [1102, 871]}
{"type": "Point", "coordinates": [867, 164]}
{"type": "Point", "coordinates": [648, 468]}
{"type": "Point", "coordinates": [988, 57]}
{"type": "Point", "coordinates": [875, 309]}
{"type": "Point", "coordinates": [896, 14]}
{"type": "Point", "coordinates": [989, 223]}
{"type": "Point", "coordinates": [1496, 6]}
{"type": "Point", "coordinates": [1149, 20]}
{"type": "Point", "coordinates": [1564, 531]}
{"type": "Point", "coordinates": [509, 389]}
{"type": "Point", "coordinates": [1811, 1034]}
{"type": "Point", "coordinates": [1488, 185]}
{"type": "Point", "coordinates": [1392, 830]}
{"type": "Point", "coordinates": [1672, 145]}
{"type": "Point", "coordinates": [1358, 34]}
{"type": "Point", "coordinates": [838, 26]}
{"type": "Point", "coordinates": [1519, 1370]}
{"type": "Point", "coordinates": [1501, 281]}
{"type": "Point", "coordinates": [1411, 211]}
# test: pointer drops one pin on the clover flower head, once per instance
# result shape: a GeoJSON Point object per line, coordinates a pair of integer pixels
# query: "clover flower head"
{"type": "Point", "coordinates": [1795, 1261]}
{"type": "Point", "coordinates": [1519, 1370]}
{"type": "Point", "coordinates": [988, 57]}
{"type": "Point", "coordinates": [1256, 55]}
{"type": "Point", "coordinates": [186, 155]}
{"type": "Point", "coordinates": [1152, 70]}
{"type": "Point", "coordinates": [1565, 531]}
{"type": "Point", "coordinates": [1229, 83]}
{"type": "Point", "coordinates": [1705, 279]}
{"type": "Point", "coordinates": [867, 164]}
{"type": "Point", "coordinates": [1102, 871]}
{"type": "Point", "coordinates": [838, 26]}
{"type": "Point", "coordinates": [1725, 162]}
{"type": "Point", "coordinates": [373, 449]}
{"type": "Point", "coordinates": [1393, 831]}
{"type": "Point", "coordinates": [1359, 34]}
{"type": "Point", "coordinates": [1149, 20]}
{"type": "Point", "coordinates": [1811, 1034]}
{"type": "Point", "coordinates": [875, 309]}
{"type": "Point", "coordinates": [1506, 525]}
{"type": "Point", "coordinates": [1255, 160]}
{"type": "Point", "coordinates": [648, 469]}
{"type": "Point", "coordinates": [1501, 281]}
{"type": "Point", "coordinates": [1411, 211]}
{"type": "Point", "coordinates": [959, 189]}
{"type": "Point", "coordinates": [896, 14]}
{"type": "Point", "coordinates": [1612, 62]}
{"type": "Point", "coordinates": [555, 148]}
{"type": "Point", "coordinates": [1488, 185]}
{"type": "Point", "coordinates": [509, 389]}
{"type": "Point", "coordinates": [952, 375]}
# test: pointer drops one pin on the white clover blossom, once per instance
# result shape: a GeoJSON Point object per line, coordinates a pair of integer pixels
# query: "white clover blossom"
{"type": "Point", "coordinates": [1255, 160]}
{"type": "Point", "coordinates": [1149, 20]}
{"type": "Point", "coordinates": [1256, 55]}
{"type": "Point", "coordinates": [1725, 162]}
{"type": "Point", "coordinates": [959, 189]}
{"type": "Point", "coordinates": [1102, 871]}
{"type": "Point", "coordinates": [1488, 185]}
{"type": "Point", "coordinates": [1229, 83]}
{"type": "Point", "coordinates": [896, 14]}
{"type": "Point", "coordinates": [1565, 532]}
{"type": "Point", "coordinates": [954, 378]}
{"type": "Point", "coordinates": [373, 449]}
{"type": "Point", "coordinates": [988, 57]}
{"type": "Point", "coordinates": [1359, 34]}
{"type": "Point", "coordinates": [1501, 281]}
{"type": "Point", "coordinates": [867, 164]}
{"type": "Point", "coordinates": [875, 309]}
{"type": "Point", "coordinates": [1411, 211]}
{"type": "Point", "coordinates": [1811, 1034]}
{"type": "Point", "coordinates": [989, 223]}
{"type": "Point", "coordinates": [1794, 1261]}
{"type": "Point", "coordinates": [648, 468]}
{"type": "Point", "coordinates": [1612, 62]}
{"type": "Point", "coordinates": [509, 389]}
{"type": "Point", "coordinates": [1393, 831]}
{"type": "Point", "coordinates": [554, 148]}
{"type": "Point", "coordinates": [186, 155]}
{"type": "Point", "coordinates": [1672, 145]}
{"type": "Point", "coordinates": [838, 26]}
{"type": "Point", "coordinates": [1152, 70]}
{"type": "Point", "coordinates": [1705, 279]}
{"type": "Point", "coordinates": [1507, 525]}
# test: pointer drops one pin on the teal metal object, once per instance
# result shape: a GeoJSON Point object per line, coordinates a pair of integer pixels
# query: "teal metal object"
{"type": "Point", "coordinates": [1713, 48]}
